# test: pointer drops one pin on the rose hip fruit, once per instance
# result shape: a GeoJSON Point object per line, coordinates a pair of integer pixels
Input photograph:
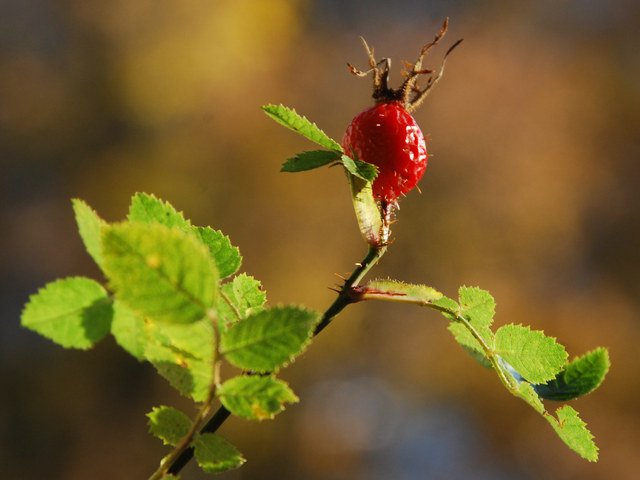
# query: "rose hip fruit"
{"type": "Point", "coordinates": [386, 134]}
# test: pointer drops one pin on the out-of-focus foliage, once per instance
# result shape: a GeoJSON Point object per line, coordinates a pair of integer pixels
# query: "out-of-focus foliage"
{"type": "Point", "coordinates": [533, 131]}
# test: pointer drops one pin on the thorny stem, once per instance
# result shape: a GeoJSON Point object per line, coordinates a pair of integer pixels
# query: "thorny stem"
{"type": "Point", "coordinates": [182, 454]}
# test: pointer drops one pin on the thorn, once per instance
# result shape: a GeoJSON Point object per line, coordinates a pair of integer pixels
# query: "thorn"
{"type": "Point", "coordinates": [340, 276]}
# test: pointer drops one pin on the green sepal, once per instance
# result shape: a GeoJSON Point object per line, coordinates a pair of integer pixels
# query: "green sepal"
{"type": "Point", "coordinates": [290, 119]}
{"type": "Point", "coordinates": [74, 312]}
{"type": "Point", "coordinates": [309, 160]}
{"type": "Point", "coordinates": [214, 454]}
{"type": "Point", "coordinates": [168, 424]}
{"type": "Point", "coordinates": [366, 209]}
{"type": "Point", "coordinates": [268, 340]}
{"type": "Point", "coordinates": [161, 273]}
{"type": "Point", "coordinates": [580, 377]}
{"type": "Point", "coordinates": [255, 397]}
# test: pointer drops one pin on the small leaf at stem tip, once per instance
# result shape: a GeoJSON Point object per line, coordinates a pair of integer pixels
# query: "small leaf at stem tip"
{"type": "Point", "coordinates": [74, 312]}
{"type": "Point", "coordinates": [290, 119]}
{"type": "Point", "coordinates": [309, 160]}
{"type": "Point", "coordinates": [214, 454]}
{"type": "Point", "coordinates": [580, 377]}
{"type": "Point", "coordinates": [168, 424]}
{"type": "Point", "coordinates": [366, 171]}
{"type": "Point", "coordinates": [255, 397]}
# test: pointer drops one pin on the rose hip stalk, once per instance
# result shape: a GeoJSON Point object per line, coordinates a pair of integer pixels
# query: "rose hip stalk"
{"type": "Point", "coordinates": [386, 134]}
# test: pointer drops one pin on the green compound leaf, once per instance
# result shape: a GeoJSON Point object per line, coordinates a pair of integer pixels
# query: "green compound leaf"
{"type": "Point", "coordinates": [267, 340]}
{"type": "Point", "coordinates": [74, 312]}
{"type": "Point", "coordinates": [580, 377]}
{"type": "Point", "coordinates": [246, 297]}
{"type": "Point", "coordinates": [128, 329]}
{"type": "Point", "coordinates": [89, 225]}
{"type": "Point", "coordinates": [214, 454]}
{"type": "Point", "coordinates": [366, 209]}
{"type": "Point", "coordinates": [290, 119]}
{"type": "Point", "coordinates": [254, 397]}
{"type": "Point", "coordinates": [400, 291]}
{"type": "Point", "coordinates": [160, 273]}
{"type": "Point", "coordinates": [573, 431]}
{"type": "Point", "coordinates": [168, 424]}
{"type": "Point", "coordinates": [149, 209]}
{"type": "Point", "coordinates": [533, 355]}
{"type": "Point", "coordinates": [310, 160]}
{"type": "Point", "coordinates": [363, 170]}
{"type": "Point", "coordinates": [226, 257]}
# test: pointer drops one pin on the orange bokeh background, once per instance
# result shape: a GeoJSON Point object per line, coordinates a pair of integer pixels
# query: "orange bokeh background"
{"type": "Point", "coordinates": [531, 192]}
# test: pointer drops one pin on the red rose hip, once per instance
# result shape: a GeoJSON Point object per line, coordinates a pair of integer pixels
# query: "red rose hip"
{"type": "Point", "coordinates": [387, 136]}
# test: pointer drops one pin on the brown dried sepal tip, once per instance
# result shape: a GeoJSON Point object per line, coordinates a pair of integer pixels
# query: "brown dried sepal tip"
{"type": "Point", "coordinates": [409, 93]}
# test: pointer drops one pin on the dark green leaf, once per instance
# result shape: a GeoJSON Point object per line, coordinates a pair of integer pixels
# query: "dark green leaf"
{"type": "Point", "coordinates": [73, 312]}
{"type": "Point", "coordinates": [255, 397]}
{"type": "Point", "coordinates": [168, 424]}
{"type": "Point", "coordinates": [366, 171]}
{"type": "Point", "coordinates": [269, 339]}
{"type": "Point", "coordinates": [290, 119]}
{"type": "Point", "coordinates": [310, 160]}
{"type": "Point", "coordinates": [580, 377]}
{"type": "Point", "coordinates": [214, 454]}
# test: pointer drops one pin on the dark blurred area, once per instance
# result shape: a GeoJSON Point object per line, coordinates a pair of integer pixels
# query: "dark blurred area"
{"type": "Point", "coordinates": [531, 192]}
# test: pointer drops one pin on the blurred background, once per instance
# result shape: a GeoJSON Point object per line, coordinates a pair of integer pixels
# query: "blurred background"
{"type": "Point", "coordinates": [531, 192]}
